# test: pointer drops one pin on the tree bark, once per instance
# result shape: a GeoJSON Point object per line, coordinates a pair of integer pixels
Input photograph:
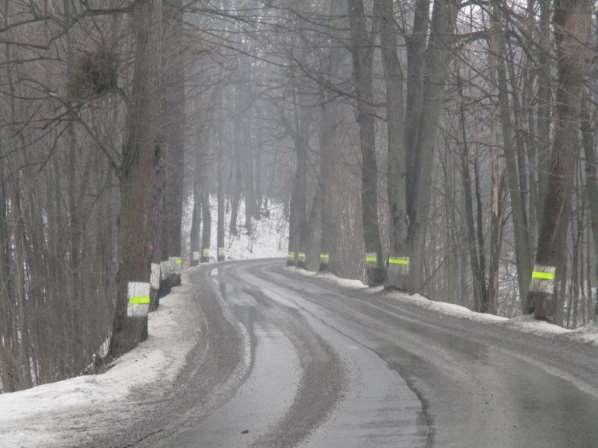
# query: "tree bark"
{"type": "Point", "coordinates": [572, 27]}
{"type": "Point", "coordinates": [520, 229]}
{"type": "Point", "coordinates": [173, 124]}
{"type": "Point", "coordinates": [591, 164]}
{"type": "Point", "coordinates": [438, 57]}
{"type": "Point", "coordinates": [362, 51]}
{"type": "Point", "coordinates": [136, 173]}
{"type": "Point", "coordinates": [395, 124]}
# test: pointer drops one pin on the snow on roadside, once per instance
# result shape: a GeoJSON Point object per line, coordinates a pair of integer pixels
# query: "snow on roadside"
{"type": "Point", "coordinates": [43, 415]}
{"type": "Point", "coordinates": [525, 324]}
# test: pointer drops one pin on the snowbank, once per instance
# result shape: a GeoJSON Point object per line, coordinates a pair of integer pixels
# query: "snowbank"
{"type": "Point", "coordinates": [525, 324]}
{"type": "Point", "coordinates": [44, 415]}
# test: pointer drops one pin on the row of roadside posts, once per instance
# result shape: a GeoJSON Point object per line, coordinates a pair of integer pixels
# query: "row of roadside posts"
{"type": "Point", "coordinates": [397, 271]}
{"type": "Point", "coordinates": [163, 277]}
{"type": "Point", "coordinates": [397, 268]}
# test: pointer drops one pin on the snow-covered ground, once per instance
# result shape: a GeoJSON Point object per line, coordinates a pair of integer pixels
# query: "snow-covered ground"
{"type": "Point", "coordinates": [33, 417]}
{"type": "Point", "coordinates": [526, 324]}
{"type": "Point", "coordinates": [269, 239]}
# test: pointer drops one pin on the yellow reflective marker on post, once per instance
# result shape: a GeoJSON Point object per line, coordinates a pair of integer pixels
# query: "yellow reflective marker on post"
{"type": "Point", "coordinates": [301, 256]}
{"type": "Point", "coordinates": [371, 258]}
{"type": "Point", "coordinates": [324, 257]}
{"type": "Point", "coordinates": [539, 275]}
{"type": "Point", "coordinates": [399, 261]}
{"type": "Point", "coordinates": [178, 261]}
{"type": "Point", "coordinates": [398, 266]}
{"type": "Point", "coordinates": [138, 299]}
{"type": "Point", "coordinates": [543, 279]}
{"type": "Point", "coordinates": [291, 256]}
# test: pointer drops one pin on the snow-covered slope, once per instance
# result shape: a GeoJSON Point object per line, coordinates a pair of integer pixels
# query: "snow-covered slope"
{"type": "Point", "coordinates": [34, 417]}
{"type": "Point", "coordinates": [268, 239]}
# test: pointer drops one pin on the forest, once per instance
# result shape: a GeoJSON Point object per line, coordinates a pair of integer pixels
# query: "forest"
{"type": "Point", "coordinates": [444, 147]}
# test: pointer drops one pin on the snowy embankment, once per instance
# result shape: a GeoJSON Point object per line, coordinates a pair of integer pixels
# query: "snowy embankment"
{"type": "Point", "coordinates": [48, 414]}
{"type": "Point", "coordinates": [525, 324]}
{"type": "Point", "coordinates": [269, 237]}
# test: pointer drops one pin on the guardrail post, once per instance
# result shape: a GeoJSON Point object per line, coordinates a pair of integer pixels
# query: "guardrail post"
{"type": "Point", "coordinates": [138, 294]}
{"type": "Point", "coordinates": [291, 259]}
{"type": "Point", "coordinates": [301, 260]}
{"type": "Point", "coordinates": [375, 271]}
{"type": "Point", "coordinates": [324, 261]}
{"type": "Point", "coordinates": [155, 280]}
{"type": "Point", "coordinates": [195, 258]}
{"type": "Point", "coordinates": [397, 272]}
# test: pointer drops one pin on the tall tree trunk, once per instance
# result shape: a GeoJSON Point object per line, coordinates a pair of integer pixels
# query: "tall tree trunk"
{"type": "Point", "coordinates": [220, 180]}
{"type": "Point", "coordinates": [23, 365]}
{"type": "Point", "coordinates": [572, 27]}
{"type": "Point", "coordinates": [173, 124]}
{"type": "Point", "coordinates": [136, 174]}
{"type": "Point", "coordinates": [397, 154]}
{"type": "Point", "coordinates": [299, 202]}
{"type": "Point", "coordinates": [475, 251]}
{"type": "Point", "coordinates": [237, 165]}
{"type": "Point", "coordinates": [196, 214]}
{"type": "Point", "coordinates": [438, 57]}
{"type": "Point", "coordinates": [416, 51]}
{"type": "Point", "coordinates": [496, 227]}
{"type": "Point", "coordinates": [591, 164]}
{"type": "Point", "coordinates": [206, 230]}
{"type": "Point", "coordinates": [329, 115]}
{"type": "Point", "coordinates": [544, 105]}
{"type": "Point", "coordinates": [362, 51]}
{"type": "Point", "coordinates": [520, 229]}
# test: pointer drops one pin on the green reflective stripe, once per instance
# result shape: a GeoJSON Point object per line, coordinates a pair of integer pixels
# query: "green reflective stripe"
{"type": "Point", "coordinates": [301, 256]}
{"type": "Point", "coordinates": [178, 261]}
{"type": "Point", "coordinates": [539, 275]}
{"type": "Point", "coordinates": [401, 261]}
{"type": "Point", "coordinates": [291, 256]}
{"type": "Point", "coordinates": [324, 257]}
{"type": "Point", "coordinates": [371, 258]}
{"type": "Point", "coordinates": [139, 300]}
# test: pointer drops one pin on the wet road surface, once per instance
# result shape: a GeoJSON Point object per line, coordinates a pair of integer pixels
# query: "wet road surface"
{"type": "Point", "coordinates": [291, 361]}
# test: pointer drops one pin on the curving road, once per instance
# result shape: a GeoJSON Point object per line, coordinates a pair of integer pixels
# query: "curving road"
{"type": "Point", "coordinates": [291, 361]}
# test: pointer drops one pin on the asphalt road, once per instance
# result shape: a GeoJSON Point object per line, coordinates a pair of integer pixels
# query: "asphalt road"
{"type": "Point", "coordinates": [291, 361]}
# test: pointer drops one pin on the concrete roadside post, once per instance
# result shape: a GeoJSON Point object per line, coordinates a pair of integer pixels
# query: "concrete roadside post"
{"type": "Point", "coordinates": [301, 260]}
{"type": "Point", "coordinates": [175, 269]}
{"type": "Point", "coordinates": [165, 286]}
{"type": "Point", "coordinates": [195, 258]}
{"type": "Point", "coordinates": [155, 280]}
{"type": "Point", "coordinates": [324, 261]}
{"type": "Point", "coordinates": [398, 269]}
{"type": "Point", "coordinates": [138, 303]}
{"type": "Point", "coordinates": [543, 282]}
{"type": "Point", "coordinates": [139, 299]}
{"type": "Point", "coordinates": [291, 260]}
